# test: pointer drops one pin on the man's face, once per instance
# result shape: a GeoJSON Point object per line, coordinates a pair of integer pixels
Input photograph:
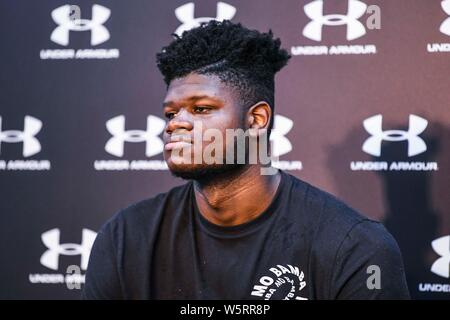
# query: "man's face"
{"type": "Point", "coordinates": [198, 102]}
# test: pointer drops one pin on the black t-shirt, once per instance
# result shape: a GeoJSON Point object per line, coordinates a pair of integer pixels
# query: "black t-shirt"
{"type": "Point", "coordinates": [306, 245]}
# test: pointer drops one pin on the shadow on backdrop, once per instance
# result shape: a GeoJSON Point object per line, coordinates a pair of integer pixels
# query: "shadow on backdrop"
{"type": "Point", "coordinates": [414, 204]}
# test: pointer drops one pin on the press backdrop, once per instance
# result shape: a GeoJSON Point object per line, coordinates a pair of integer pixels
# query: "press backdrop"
{"type": "Point", "coordinates": [362, 112]}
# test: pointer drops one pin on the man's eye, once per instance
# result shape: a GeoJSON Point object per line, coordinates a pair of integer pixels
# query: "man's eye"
{"type": "Point", "coordinates": [201, 109]}
{"type": "Point", "coordinates": [169, 115]}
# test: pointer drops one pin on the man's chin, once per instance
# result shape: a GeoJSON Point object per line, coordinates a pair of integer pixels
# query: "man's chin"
{"type": "Point", "coordinates": [204, 172]}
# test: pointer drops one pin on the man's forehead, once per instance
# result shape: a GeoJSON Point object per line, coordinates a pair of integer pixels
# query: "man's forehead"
{"type": "Point", "coordinates": [196, 85]}
{"type": "Point", "coordinates": [195, 78]}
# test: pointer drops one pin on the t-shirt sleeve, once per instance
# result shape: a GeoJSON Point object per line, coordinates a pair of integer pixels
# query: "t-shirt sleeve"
{"type": "Point", "coordinates": [369, 265]}
{"type": "Point", "coordinates": [102, 281]}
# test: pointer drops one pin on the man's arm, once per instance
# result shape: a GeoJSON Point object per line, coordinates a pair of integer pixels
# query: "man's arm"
{"type": "Point", "coordinates": [369, 265]}
{"type": "Point", "coordinates": [102, 280]}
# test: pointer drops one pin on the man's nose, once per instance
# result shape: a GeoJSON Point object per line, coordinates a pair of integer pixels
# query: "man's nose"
{"type": "Point", "coordinates": [180, 121]}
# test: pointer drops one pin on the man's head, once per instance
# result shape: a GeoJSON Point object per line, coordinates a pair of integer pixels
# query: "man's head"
{"type": "Point", "coordinates": [220, 75]}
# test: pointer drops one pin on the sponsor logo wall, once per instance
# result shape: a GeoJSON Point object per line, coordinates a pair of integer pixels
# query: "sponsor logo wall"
{"type": "Point", "coordinates": [362, 111]}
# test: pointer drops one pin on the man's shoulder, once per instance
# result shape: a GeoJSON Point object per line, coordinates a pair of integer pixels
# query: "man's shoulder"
{"type": "Point", "coordinates": [320, 206]}
{"type": "Point", "coordinates": [149, 211]}
{"type": "Point", "coordinates": [336, 230]}
{"type": "Point", "coordinates": [333, 222]}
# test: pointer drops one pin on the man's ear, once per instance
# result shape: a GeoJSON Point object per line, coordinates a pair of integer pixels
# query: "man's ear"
{"type": "Point", "coordinates": [259, 115]}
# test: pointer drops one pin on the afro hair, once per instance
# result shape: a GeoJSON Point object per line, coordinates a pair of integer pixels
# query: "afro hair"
{"type": "Point", "coordinates": [245, 59]}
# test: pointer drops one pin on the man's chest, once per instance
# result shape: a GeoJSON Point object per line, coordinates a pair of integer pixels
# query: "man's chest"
{"type": "Point", "coordinates": [232, 270]}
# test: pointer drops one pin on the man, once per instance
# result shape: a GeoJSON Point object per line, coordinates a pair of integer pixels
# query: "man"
{"type": "Point", "coordinates": [235, 231]}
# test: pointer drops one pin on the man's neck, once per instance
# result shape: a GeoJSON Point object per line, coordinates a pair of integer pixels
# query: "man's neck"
{"type": "Point", "coordinates": [238, 198]}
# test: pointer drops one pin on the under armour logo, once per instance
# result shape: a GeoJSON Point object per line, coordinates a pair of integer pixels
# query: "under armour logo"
{"type": "Point", "coordinates": [185, 14]}
{"type": "Point", "coordinates": [445, 25]}
{"type": "Point", "coordinates": [51, 240]}
{"type": "Point", "coordinates": [66, 23]}
{"type": "Point", "coordinates": [373, 125]}
{"type": "Point", "coordinates": [441, 266]}
{"type": "Point", "coordinates": [281, 126]}
{"type": "Point", "coordinates": [31, 127]}
{"type": "Point", "coordinates": [314, 11]}
{"type": "Point", "coordinates": [116, 126]}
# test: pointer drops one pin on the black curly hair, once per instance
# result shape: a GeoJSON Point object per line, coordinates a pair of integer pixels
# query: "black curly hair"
{"type": "Point", "coordinates": [247, 60]}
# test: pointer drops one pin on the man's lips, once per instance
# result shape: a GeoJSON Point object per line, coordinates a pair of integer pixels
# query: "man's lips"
{"type": "Point", "coordinates": [178, 142]}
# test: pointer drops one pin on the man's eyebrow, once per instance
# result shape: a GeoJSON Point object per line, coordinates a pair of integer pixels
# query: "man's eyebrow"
{"type": "Point", "coordinates": [190, 99]}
